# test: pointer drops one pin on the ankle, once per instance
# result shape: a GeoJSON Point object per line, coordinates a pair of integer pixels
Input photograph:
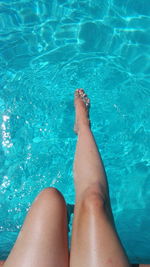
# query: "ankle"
{"type": "Point", "coordinates": [84, 126]}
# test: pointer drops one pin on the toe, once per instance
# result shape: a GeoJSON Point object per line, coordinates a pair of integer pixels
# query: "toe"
{"type": "Point", "coordinates": [80, 90]}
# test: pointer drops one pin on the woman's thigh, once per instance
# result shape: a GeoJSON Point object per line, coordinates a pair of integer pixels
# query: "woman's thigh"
{"type": "Point", "coordinates": [42, 241]}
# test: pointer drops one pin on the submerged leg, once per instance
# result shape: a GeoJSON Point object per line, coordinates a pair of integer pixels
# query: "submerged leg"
{"type": "Point", "coordinates": [94, 239]}
{"type": "Point", "coordinates": [42, 241]}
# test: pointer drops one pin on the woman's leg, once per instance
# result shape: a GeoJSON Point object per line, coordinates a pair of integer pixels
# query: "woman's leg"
{"type": "Point", "coordinates": [42, 241]}
{"type": "Point", "coordinates": [94, 239]}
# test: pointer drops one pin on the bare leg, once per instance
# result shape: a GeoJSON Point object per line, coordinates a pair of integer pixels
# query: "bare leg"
{"type": "Point", "coordinates": [94, 239]}
{"type": "Point", "coordinates": [42, 241]}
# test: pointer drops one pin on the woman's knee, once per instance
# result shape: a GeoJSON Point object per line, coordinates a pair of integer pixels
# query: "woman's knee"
{"type": "Point", "coordinates": [50, 196]}
{"type": "Point", "coordinates": [95, 201]}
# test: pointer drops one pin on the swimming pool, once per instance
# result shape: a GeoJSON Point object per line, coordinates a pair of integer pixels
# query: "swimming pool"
{"type": "Point", "coordinates": [48, 49]}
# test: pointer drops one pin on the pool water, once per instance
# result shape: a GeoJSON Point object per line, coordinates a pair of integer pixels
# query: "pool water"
{"type": "Point", "coordinates": [47, 50]}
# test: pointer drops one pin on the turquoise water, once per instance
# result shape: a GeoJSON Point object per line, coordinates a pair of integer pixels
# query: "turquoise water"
{"type": "Point", "coordinates": [47, 50]}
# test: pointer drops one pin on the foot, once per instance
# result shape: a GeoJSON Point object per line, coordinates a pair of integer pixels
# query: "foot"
{"type": "Point", "coordinates": [82, 104]}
